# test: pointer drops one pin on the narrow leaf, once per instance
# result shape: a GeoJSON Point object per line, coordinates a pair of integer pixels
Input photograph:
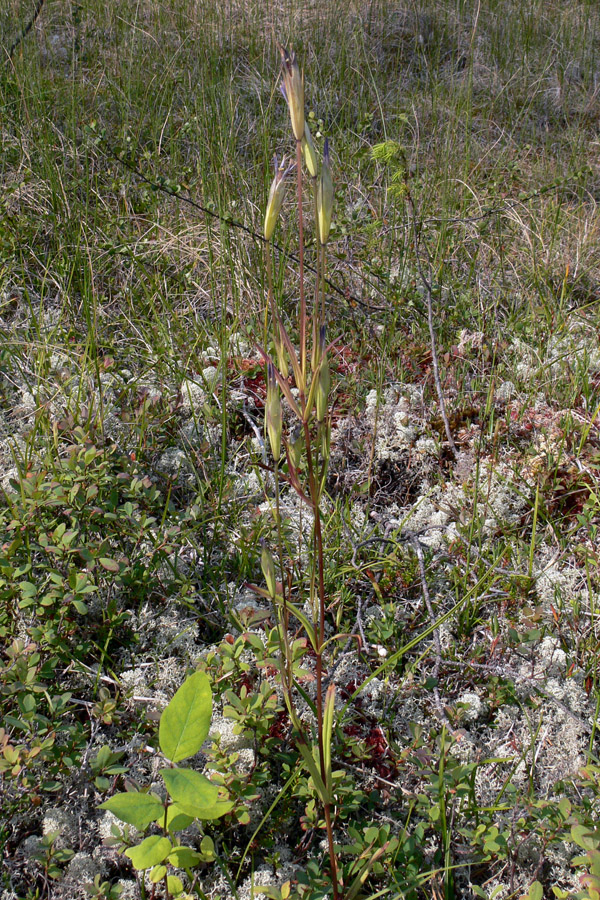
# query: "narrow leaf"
{"type": "Point", "coordinates": [312, 767]}
{"type": "Point", "coordinates": [282, 382]}
{"type": "Point", "coordinates": [304, 621]}
{"type": "Point", "coordinates": [328, 717]}
{"type": "Point", "coordinates": [364, 873]}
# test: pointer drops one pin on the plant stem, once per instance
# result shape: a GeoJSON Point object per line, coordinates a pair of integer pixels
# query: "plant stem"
{"type": "Point", "coordinates": [271, 303]}
{"type": "Point", "coordinates": [315, 318]}
{"type": "Point", "coordinates": [285, 650]}
{"type": "Point", "coordinates": [320, 635]}
{"type": "Point", "coordinates": [301, 265]}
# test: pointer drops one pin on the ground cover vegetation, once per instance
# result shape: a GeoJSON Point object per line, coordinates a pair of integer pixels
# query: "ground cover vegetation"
{"type": "Point", "coordinates": [299, 476]}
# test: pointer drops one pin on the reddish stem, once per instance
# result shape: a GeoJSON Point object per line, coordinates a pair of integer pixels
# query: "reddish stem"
{"type": "Point", "coordinates": [301, 262]}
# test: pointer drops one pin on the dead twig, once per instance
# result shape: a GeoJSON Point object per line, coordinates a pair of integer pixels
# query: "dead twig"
{"type": "Point", "coordinates": [25, 31]}
{"type": "Point", "coordinates": [429, 298]}
{"type": "Point", "coordinates": [436, 636]}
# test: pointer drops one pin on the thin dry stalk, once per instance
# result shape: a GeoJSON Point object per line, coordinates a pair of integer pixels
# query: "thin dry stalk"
{"type": "Point", "coordinates": [429, 300]}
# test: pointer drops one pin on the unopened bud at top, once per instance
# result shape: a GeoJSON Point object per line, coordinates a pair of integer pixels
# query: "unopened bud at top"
{"type": "Point", "coordinates": [325, 197]}
{"type": "Point", "coordinates": [310, 154]}
{"type": "Point", "coordinates": [293, 91]}
{"type": "Point", "coordinates": [276, 195]}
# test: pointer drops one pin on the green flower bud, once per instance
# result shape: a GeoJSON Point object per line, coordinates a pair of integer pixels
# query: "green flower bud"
{"type": "Point", "coordinates": [273, 413]}
{"type": "Point", "coordinates": [267, 564]}
{"type": "Point", "coordinates": [310, 154]}
{"type": "Point", "coordinates": [324, 380]}
{"type": "Point", "coordinates": [293, 91]}
{"type": "Point", "coordinates": [276, 195]}
{"type": "Point", "coordinates": [325, 197]}
{"type": "Point", "coordinates": [296, 446]}
{"type": "Point", "coordinates": [282, 360]}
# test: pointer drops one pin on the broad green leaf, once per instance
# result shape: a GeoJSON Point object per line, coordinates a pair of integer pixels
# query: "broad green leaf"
{"type": "Point", "coordinates": [174, 885]}
{"type": "Point", "coordinates": [176, 819]}
{"type": "Point", "coordinates": [205, 813]}
{"type": "Point", "coordinates": [536, 891]}
{"type": "Point", "coordinates": [185, 722]}
{"type": "Point", "coordinates": [215, 811]}
{"type": "Point", "coordinates": [184, 857]}
{"type": "Point", "coordinates": [135, 808]}
{"type": "Point", "coordinates": [585, 837]}
{"type": "Point", "coordinates": [207, 846]}
{"type": "Point", "coordinates": [151, 852]}
{"type": "Point", "coordinates": [189, 789]}
{"type": "Point", "coordinates": [158, 873]}
{"type": "Point", "coordinates": [111, 565]}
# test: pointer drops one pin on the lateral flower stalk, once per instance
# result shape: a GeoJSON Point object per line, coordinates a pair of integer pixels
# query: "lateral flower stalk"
{"type": "Point", "coordinates": [276, 195]}
{"type": "Point", "coordinates": [292, 88]}
{"type": "Point", "coordinates": [325, 197]}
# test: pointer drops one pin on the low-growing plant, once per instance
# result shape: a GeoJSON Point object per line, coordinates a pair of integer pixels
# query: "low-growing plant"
{"type": "Point", "coordinates": [190, 795]}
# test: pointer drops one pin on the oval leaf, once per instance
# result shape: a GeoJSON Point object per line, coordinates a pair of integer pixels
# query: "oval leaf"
{"type": "Point", "coordinates": [218, 809]}
{"type": "Point", "coordinates": [152, 851]}
{"type": "Point", "coordinates": [111, 565]}
{"type": "Point", "coordinates": [174, 885]}
{"type": "Point", "coordinates": [157, 874]}
{"type": "Point", "coordinates": [135, 808]}
{"type": "Point", "coordinates": [185, 722]}
{"type": "Point", "coordinates": [190, 790]}
{"type": "Point", "coordinates": [176, 819]}
{"type": "Point", "coordinates": [184, 857]}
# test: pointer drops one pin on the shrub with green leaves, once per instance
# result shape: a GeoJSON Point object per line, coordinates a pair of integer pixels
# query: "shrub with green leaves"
{"type": "Point", "coordinates": [191, 796]}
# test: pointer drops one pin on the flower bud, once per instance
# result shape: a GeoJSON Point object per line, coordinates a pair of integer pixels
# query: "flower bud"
{"type": "Point", "coordinates": [310, 154]}
{"type": "Point", "coordinates": [273, 412]}
{"type": "Point", "coordinates": [296, 446]}
{"type": "Point", "coordinates": [276, 195]}
{"type": "Point", "coordinates": [282, 360]}
{"type": "Point", "coordinates": [324, 380]}
{"type": "Point", "coordinates": [325, 197]}
{"type": "Point", "coordinates": [293, 91]}
{"type": "Point", "coordinates": [267, 564]}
